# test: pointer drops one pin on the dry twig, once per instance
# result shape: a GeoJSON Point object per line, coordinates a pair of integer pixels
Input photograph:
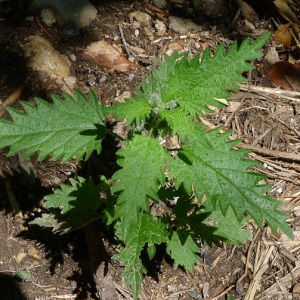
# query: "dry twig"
{"type": "Point", "coordinates": [223, 293]}
{"type": "Point", "coordinates": [269, 152]}
{"type": "Point", "coordinates": [11, 100]}
{"type": "Point", "coordinates": [271, 91]}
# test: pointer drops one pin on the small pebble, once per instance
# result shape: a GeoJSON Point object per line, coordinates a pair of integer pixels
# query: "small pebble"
{"type": "Point", "coordinates": [72, 56]}
{"type": "Point", "coordinates": [195, 295]}
{"type": "Point", "coordinates": [160, 27]}
{"type": "Point", "coordinates": [160, 3]}
{"type": "Point", "coordinates": [102, 79]}
{"type": "Point", "coordinates": [70, 81]}
{"type": "Point", "coordinates": [296, 288]}
{"type": "Point", "coordinates": [239, 287]}
{"type": "Point", "coordinates": [149, 33]}
{"type": "Point", "coordinates": [182, 26]}
{"type": "Point", "coordinates": [130, 76]}
{"type": "Point", "coordinates": [48, 17]}
{"type": "Point", "coordinates": [92, 79]}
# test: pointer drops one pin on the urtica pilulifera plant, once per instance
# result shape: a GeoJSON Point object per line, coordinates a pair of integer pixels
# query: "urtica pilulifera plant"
{"type": "Point", "coordinates": [206, 185]}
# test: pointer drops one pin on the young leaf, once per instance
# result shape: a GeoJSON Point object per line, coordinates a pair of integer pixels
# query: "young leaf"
{"type": "Point", "coordinates": [66, 128]}
{"type": "Point", "coordinates": [182, 124]}
{"type": "Point", "coordinates": [49, 220]}
{"type": "Point", "coordinates": [145, 230]}
{"type": "Point", "coordinates": [134, 110]}
{"type": "Point", "coordinates": [78, 204]}
{"type": "Point", "coordinates": [191, 84]}
{"type": "Point", "coordinates": [183, 249]}
{"type": "Point", "coordinates": [211, 168]}
{"type": "Point", "coordinates": [142, 161]}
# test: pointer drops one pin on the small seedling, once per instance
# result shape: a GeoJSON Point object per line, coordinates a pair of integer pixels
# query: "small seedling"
{"type": "Point", "coordinates": [203, 182]}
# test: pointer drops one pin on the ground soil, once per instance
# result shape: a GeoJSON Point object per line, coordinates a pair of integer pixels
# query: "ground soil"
{"type": "Point", "coordinates": [36, 264]}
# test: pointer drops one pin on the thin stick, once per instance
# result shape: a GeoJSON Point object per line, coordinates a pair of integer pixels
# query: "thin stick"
{"type": "Point", "coordinates": [272, 91]}
{"type": "Point", "coordinates": [269, 152]}
{"type": "Point", "coordinates": [124, 41]}
{"type": "Point", "coordinates": [156, 9]}
{"type": "Point", "coordinates": [249, 254]}
{"type": "Point", "coordinates": [64, 297]}
{"type": "Point", "coordinates": [223, 293]}
{"type": "Point", "coordinates": [43, 27]}
{"type": "Point", "coordinates": [193, 281]}
{"type": "Point", "coordinates": [11, 99]}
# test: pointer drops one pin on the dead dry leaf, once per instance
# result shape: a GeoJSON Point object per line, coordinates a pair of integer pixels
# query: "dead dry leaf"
{"type": "Point", "coordinates": [143, 18]}
{"type": "Point", "coordinates": [33, 252]}
{"type": "Point", "coordinates": [21, 254]}
{"type": "Point", "coordinates": [285, 75]}
{"type": "Point", "coordinates": [247, 11]}
{"type": "Point", "coordinates": [11, 100]}
{"type": "Point", "coordinates": [285, 11]}
{"type": "Point", "coordinates": [284, 34]}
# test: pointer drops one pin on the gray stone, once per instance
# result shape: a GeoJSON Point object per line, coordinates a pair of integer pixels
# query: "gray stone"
{"type": "Point", "coordinates": [182, 26]}
{"type": "Point", "coordinates": [48, 17]}
{"type": "Point", "coordinates": [160, 3]}
{"type": "Point", "coordinates": [71, 15]}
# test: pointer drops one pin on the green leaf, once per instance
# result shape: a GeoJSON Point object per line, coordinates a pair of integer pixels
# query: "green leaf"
{"type": "Point", "coordinates": [183, 249]}
{"type": "Point", "coordinates": [142, 161]}
{"type": "Point", "coordinates": [49, 220]}
{"type": "Point", "coordinates": [66, 128]}
{"type": "Point", "coordinates": [229, 296]}
{"type": "Point", "coordinates": [194, 84]}
{"type": "Point", "coordinates": [182, 209]}
{"type": "Point", "coordinates": [191, 84]}
{"type": "Point", "coordinates": [145, 230]}
{"type": "Point", "coordinates": [228, 228]}
{"type": "Point", "coordinates": [211, 168]}
{"type": "Point", "coordinates": [77, 204]}
{"type": "Point", "coordinates": [151, 251]}
{"type": "Point", "coordinates": [134, 110]}
{"type": "Point", "coordinates": [197, 83]}
{"type": "Point", "coordinates": [189, 215]}
{"type": "Point", "coordinates": [181, 123]}
{"type": "Point", "coordinates": [24, 275]}
{"type": "Point", "coordinates": [207, 224]}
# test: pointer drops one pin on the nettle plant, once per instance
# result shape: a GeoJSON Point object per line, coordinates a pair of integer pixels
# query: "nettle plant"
{"type": "Point", "coordinates": [204, 183]}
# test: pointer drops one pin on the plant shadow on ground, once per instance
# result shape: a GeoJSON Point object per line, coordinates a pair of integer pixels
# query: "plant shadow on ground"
{"type": "Point", "coordinates": [54, 246]}
{"type": "Point", "coordinates": [13, 70]}
{"type": "Point", "coordinates": [9, 288]}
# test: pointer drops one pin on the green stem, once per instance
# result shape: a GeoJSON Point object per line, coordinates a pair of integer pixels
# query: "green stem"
{"type": "Point", "coordinates": [115, 135]}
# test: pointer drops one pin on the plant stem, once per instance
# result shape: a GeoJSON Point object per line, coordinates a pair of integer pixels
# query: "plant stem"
{"type": "Point", "coordinates": [115, 135]}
